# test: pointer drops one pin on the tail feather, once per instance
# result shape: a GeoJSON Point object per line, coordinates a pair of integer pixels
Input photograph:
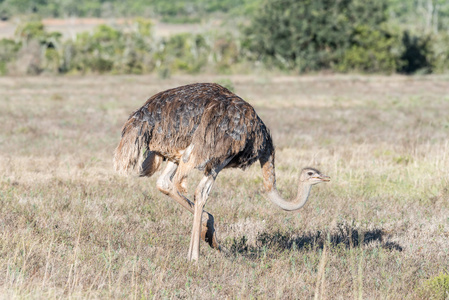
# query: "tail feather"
{"type": "Point", "coordinates": [151, 164]}
{"type": "Point", "coordinates": [132, 147]}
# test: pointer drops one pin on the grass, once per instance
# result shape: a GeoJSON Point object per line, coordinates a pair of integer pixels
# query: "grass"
{"type": "Point", "coordinates": [436, 287]}
{"type": "Point", "coordinates": [72, 228]}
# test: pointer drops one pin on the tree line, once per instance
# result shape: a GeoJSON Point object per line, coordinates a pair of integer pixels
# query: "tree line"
{"type": "Point", "coordinates": [291, 35]}
{"type": "Point", "coordinates": [347, 36]}
{"type": "Point", "coordinates": [170, 11]}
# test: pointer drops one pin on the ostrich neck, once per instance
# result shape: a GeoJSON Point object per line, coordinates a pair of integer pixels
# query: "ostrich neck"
{"type": "Point", "coordinates": [297, 203]}
{"type": "Point", "coordinates": [269, 182]}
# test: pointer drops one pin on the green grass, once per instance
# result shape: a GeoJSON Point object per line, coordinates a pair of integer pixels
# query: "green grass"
{"type": "Point", "coordinates": [436, 287]}
{"type": "Point", "coordinates": [72, 228]}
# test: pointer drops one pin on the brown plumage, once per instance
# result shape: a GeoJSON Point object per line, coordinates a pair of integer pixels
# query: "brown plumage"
{"type": "Point", "coordinates": [207, 115]}
{"type": "Point", "coordinates": [202, 126]}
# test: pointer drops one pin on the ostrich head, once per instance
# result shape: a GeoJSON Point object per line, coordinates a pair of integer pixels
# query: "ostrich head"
{"type": "Point", "coordinates": [311, 176]}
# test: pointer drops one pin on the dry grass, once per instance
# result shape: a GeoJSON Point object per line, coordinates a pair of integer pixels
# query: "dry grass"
{"type": "Point", "coordinates": [72, 228]}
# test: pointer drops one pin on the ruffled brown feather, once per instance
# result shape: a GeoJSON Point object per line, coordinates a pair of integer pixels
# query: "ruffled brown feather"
{"type": "Point", "coordinates": [218, 124]}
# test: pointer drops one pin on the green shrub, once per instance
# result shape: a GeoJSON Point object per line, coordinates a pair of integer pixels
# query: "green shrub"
{"type": "Point", "coordinates": [107, 49]}
{"type": "Point", "coordinates": [30, 30]}
{"type": "Point", "coordinates": [51, 60]}
{"type": "Point", "coordinates": [310, 34]}
{"type": "Point", "coordinates": [96, 51]}
{"type": "Point", "coordinates": [183, 52]}
{"type": "Point", "coordinates": [226, 52]}
{"type": "Point", "coordinates": [8, 54]}
{"type": "Point", "coordinates": [371, 51]}
{"type": "Point", "coordinates": [436, 288]}
{"type": "Point", "coordinates": [39, 50]}
{"type": "Point", "coordinates": [439, 59]}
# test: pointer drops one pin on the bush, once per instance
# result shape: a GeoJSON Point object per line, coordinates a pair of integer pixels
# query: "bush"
{"type": "Point", "coordinates": [183, 52]}
{"type": "Point", "coordinates": [8, 53]}
{"type": "Point", "coordinates": [439, 59]}
{"type": "Point", "coordinates": [96, 51]}
{"type": "Point", "coordinates": [295, 35]}
{"type": "Point", "coordinates": [226, 53]}
{"type": "Point", "coordinates": [436, 288]}
{"type": "Point", "coordinates": [371, 51]}
{"type": "Point", "coordinates": [310, 34]}
{"type": "Point", "coordinates": [34, 52]}
{"type": "Point", "coordinates": [30, 30]}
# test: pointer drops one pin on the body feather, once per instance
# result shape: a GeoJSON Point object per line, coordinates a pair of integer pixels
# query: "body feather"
{"type": "Point", "coordinates": [216, 124]}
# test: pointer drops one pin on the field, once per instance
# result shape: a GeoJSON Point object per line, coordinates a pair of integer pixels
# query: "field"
{"type": "Point", "coordinates": [72, 228]}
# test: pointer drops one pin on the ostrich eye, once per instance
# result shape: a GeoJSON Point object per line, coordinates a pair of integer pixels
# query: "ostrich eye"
{"type": "Point", "coordinates": [310, 173]}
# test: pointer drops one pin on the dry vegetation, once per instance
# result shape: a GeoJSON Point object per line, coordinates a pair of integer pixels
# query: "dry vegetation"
{"type": "Point", "coordinates": [72, 228]}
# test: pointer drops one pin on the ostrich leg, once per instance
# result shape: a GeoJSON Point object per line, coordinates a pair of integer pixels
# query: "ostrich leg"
{"type": "Point", "coordinates": [201, 194]}
{"type": "Point", "coordinates": [166, 186]}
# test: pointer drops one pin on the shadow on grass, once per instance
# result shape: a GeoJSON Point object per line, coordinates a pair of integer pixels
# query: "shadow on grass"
{"type": "Point", "coordinates": [343, 235]}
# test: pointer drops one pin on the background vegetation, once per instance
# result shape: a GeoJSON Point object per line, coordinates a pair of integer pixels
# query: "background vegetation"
{"type": "Point", "coordinates": [173, 10]}
{"type": "Point", "coordinates": [386, 36]}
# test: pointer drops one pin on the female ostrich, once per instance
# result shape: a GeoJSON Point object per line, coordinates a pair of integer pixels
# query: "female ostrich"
{"type": "Point", "coordinates": [202, 126]}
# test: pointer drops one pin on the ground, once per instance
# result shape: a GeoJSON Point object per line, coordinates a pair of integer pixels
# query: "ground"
{"type": "Point", "coordinates": [71, 227]}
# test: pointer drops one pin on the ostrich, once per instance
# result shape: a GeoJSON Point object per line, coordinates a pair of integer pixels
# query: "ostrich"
{"type": "Point", "coordinates": [202, 126]}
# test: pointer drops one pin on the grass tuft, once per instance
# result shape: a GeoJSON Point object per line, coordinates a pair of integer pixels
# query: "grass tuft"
{"type": "Point", "coordinates": [436, 287]}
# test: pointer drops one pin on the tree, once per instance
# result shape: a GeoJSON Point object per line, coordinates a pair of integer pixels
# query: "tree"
{"type": "Point", "coordinates": [310, 34]}
{"type": "Point", "coordinates": [421, 15]}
